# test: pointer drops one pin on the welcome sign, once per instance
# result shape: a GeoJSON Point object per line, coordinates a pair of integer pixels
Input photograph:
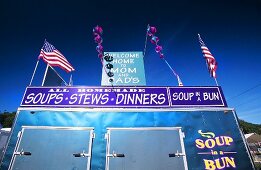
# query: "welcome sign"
{"type": "Point", "coordinates": [124, 97]}
{"type": "Point", "coordinates": [127, 69]}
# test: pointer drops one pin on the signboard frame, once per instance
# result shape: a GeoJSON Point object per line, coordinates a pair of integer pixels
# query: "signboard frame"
{"type": "Point", "coordinates": [127, 68]}
{"type": "Point", "coordinates": [112, 94]}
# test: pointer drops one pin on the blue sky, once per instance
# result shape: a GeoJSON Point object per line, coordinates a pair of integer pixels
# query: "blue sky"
{"type": "Point", "coordinates": [230, 29]}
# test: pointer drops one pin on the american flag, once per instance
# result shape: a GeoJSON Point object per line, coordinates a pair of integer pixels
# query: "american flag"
{"type": "Point", "coordinates": [211, 62]}
{"type": "Point", "coordinates": [54, 58]}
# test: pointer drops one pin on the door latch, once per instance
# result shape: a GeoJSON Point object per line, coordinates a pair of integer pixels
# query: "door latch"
{"type": "Point", "coordinates": [116, 155]}
{"type": "Point", "coordinates": [177, 154]}
{"type": "Point", "coordinates": [83, 154]}
{"type": "Point", "coordinates": [21, 153]}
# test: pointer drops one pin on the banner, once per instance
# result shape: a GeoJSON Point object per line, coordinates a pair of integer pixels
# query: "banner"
{"type": "Point", "coordinates": [128, 69]}
{"type": "Point", "coordinates": [196, 96]}
{"type": "Point", "coordinates": [123, 97]}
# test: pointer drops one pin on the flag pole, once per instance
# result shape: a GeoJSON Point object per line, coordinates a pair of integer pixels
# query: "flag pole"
{"type": "Point", "coordinates": [216, 81]}
{"type": "Point", "coordinates": [34, 72]}
{"type": "Point", "coordinates": [146, 40]}
{"type": "Point", "coordinates": [45, 74]}
{"type": "Point", "coordinates": [175, 74]}
{"type": "Point", "coordinates": [71, 81]}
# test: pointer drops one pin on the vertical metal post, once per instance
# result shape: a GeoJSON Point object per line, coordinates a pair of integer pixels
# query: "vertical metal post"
{"type": "Point", "coordinates": [146, 39]}
{"type": "Point", "coordinates": [71, 81]}
{"type": "Point", "coordinates": [34, 72]}
{"type": "Point", "coordinates": [45, 74]}
{"type": "Point", "coordinates": [216, 81]}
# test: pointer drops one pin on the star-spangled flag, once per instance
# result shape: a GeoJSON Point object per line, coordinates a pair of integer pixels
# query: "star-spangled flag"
{"type": "Point", "coordinates": [211, 61]}
{"type": "Point", "coordinates": [53, 57]}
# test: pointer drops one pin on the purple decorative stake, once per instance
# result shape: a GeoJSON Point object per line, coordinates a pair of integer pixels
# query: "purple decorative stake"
{"type": "Point", "coordinates": [158, 49]}
{"type": "Point", "coordinates": [151, 30]}
{"type": "Point", "coordinates": [100, 55]}
{"type": "Point", "coordinates": [99, 48]}
{"type": "Point", "coordinates": [97, 30]}
{"type": "Point", "coordinates": [154, 40]}
{"type": "Point", "coordinates": [98, 39]}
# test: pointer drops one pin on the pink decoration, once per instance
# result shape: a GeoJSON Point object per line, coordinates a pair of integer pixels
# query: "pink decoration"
{"type": "Point", "coordinates": [95, 34]}
{"type": "Point", "coordinates": [98, 39]}
{"type": "Point", "coordinates": [158, 48]}
{"type": "Point", "coordinates": [99, 48]}
{"type": "Point", "coordinates": [154, 40]}
{"type": "Point", "coordinates": [151, 30]}
{"type": "Point", "coordinates": [97, 30]}
{"type": "Point", "coordinates": [100, 55]}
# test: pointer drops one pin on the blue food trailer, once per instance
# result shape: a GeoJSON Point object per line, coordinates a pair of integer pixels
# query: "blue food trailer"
{"type": "Point", "coordinates": [125, 128]}
{"type": "Point", "coordinates": [125, 125]}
